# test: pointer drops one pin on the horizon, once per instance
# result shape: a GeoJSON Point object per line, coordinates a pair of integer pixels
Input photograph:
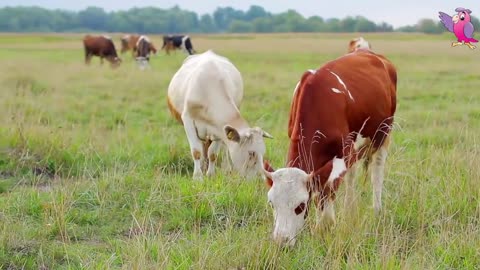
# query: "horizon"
{"type": "Point", "coordinates": [373, 10]}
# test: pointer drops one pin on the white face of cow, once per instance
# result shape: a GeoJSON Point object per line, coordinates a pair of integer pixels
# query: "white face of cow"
{"type": "Point", "coordinates": [289, 198]}
{"type": "Point", "coordinates": [362, 44]}
{"type": "Point", "coordinates": [359, 43]}
{"type": "Point", "coordinates": [246, 149]}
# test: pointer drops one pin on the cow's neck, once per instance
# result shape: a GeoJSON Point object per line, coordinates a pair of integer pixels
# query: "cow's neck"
{"type": "Point", "coordinates": [238, 123]}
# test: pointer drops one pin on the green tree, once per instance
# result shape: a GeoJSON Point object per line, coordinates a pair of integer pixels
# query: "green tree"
{"type": "Point", "coordinates": [428, 26]}
{"type": "Point", "coordinates": [255, 12]}
{"type": "Point", "coordinates": [206, 24]}
{"type": "Point", "coordinates": [347, 24]}
{"type": "Point", "coordinates": [262, 25]}
{"type": "Point", "coordinates": [364, 25]}
{"type": "Point", "coordinates": [316, 24]}
{"type": "Point", "coordinates": [238, 26]}
{"type": "Point", "coordinates": [224, 16]}
{"type": "Point", "coordinates": [93, 18]}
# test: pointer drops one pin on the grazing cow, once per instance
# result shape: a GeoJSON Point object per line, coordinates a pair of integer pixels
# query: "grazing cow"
{"type": "Point", "coordinates": [358, 43]}
{"type": "Point", "coordinates": [142, 52]}
{"type": "Point", "coordinates": [129, 43]}
{"type": "Point", "coordinates": [340, 114]}
{"type": "Point", "coordinates": [205, 95]}
{"type": "Point", "coordinates": [171, 42]}
{"type": "Point", "coordinates": [101, 46]}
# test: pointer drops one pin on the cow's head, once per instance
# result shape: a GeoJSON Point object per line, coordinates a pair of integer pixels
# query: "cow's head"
{"type": "Point", "coordinates": [115, 61]}
{"type": "Point", "coordinates": [246, 148]}
{"type": "Point", "coordinates": [358, 43]}
{"type": "Point", "coordinates": [290, 194]}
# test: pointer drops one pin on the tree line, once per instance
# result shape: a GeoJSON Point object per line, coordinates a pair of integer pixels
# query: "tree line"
{"type": "Point", "coordinates": [176, 20]}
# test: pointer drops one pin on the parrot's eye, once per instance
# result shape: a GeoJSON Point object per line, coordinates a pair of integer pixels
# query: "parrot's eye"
{"type": "Point", "coordinates": [462, 17]}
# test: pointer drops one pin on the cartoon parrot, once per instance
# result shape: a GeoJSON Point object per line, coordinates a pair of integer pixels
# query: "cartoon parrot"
{"type": "Point", "coordinates": [460, 25]}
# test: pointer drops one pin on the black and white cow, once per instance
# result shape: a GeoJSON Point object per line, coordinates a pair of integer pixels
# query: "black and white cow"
{"type": "Point", "coordinates": [173, 42]}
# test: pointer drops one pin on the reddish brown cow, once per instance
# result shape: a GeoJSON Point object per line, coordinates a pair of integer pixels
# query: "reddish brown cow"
{"type": "Point", "coordinates": [101, 46]}
{"type": "Point", "coordinates": [341, 113]}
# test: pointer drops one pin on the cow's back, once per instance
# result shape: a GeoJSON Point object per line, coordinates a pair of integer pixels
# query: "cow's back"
{"type": "Point", "coordinates": [370, 89]}
{"type": "Point", "coordinates": [203, 79]}
{"type": "Point", "coordinates": [354, 93]}
{"type": "Point", "coordinates": [99, 45]}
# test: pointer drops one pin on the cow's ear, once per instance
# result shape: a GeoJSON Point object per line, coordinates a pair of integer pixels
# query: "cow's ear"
{"type": "Point", "coordinates": [267, 172]}
{"type": "Point", "coordinates": [266, 134]}
{"type": "Point", "coordinates": [231, 133]}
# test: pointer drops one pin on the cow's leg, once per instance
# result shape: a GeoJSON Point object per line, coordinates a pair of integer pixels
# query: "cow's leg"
{"type": "Point", "coordinates": [329, 212]}
{"type": "Point", "coordinates": [88, 57]}
{"type": "Point", "coordinates": [213, 156]}
{"type": "Point", "coordinates": [325, 212]}
{"type": "Point", "coordinates": [350, 187]}
{"type": "Point", "coordinates": [196, 147]}
{"type": "Point", "coordinates": [377, 174]}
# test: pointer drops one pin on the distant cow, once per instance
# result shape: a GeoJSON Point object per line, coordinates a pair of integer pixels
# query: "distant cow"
{"type": "Point", "coordinates": [171, 42]}
{"type": "Point", "coordinates": [358, 43]}
{"type": "Point", "coordinates": [101, 46]}
{"type": "Point", "coordinates": [129, 43]}
{"type": "Point", "coordinates": [340, 114]}
{"type": "Point", "coordinates": [142, 51]}
{"type": "Point", "coordinates": [205, 95]}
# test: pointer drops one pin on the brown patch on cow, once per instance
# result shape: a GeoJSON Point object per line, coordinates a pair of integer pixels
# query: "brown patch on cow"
{"type": "Point", "coordinates": [198, 112]}
{"type": "Point", "coordinates": [174, 112]}
{"type": "Point", "coordinates": [196, 154]}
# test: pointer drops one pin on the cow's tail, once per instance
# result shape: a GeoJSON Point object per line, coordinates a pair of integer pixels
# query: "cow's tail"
{"type": "Point", "coordinates": [189, 47]}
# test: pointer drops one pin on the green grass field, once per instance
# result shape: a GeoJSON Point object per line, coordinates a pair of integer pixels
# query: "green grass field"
{"type": "Point", "coordinates": [96, 174]}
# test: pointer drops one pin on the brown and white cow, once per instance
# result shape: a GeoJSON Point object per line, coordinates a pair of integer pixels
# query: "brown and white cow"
{"type": "Point", "coordinates": [358, 43]}
{"type": "Point", "coordinates": [142, 51]}
{"type": "Point", "coordinates": [205, 96]}
{"type": "Point", "coordinates": [130, 43]}
{"type": "Point", "coordinates": [101, 46]}
{"type": "Point", "coordinates": [340, 114]}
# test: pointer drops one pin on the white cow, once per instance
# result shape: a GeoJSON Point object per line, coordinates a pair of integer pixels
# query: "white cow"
{"type": "Point", "coordinates": [205, 95]}
{"type": "Point", "coordinates": [358, 43]}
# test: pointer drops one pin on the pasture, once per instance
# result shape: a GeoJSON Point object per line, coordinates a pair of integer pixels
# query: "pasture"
{"type": "Point", "coordinates": [96, 174]}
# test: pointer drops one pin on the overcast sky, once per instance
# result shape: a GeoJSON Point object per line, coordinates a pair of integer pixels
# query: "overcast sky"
{"type": "Point", "coordinates": [395, 12]}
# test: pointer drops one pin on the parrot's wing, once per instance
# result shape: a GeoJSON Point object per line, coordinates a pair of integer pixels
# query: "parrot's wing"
{"type": "Point", "coordinates": [446, 20]}
{"type": "Point", "coordinates": [468, 30]}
